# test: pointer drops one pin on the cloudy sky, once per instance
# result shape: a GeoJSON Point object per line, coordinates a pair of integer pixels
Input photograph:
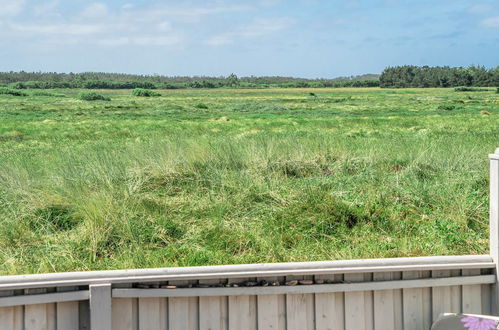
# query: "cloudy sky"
{"type": "Point", "coordinates": [306, 38]}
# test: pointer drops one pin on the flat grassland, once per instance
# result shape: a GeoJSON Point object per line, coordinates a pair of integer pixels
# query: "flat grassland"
{"type": "Point", "coordinates": [198, 177]}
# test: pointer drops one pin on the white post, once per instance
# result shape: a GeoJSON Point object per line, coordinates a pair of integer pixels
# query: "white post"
{"type": "Point", "coordinates": [100, 307]}
{"type": "Point", "coordinates": [494, 224]}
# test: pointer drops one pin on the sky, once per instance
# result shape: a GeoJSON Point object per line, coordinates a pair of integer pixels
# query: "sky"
{"type": "Point", "coordinates": [300, 38]}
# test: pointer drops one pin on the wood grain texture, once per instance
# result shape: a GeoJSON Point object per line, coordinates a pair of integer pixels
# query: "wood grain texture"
{"type": "Point", "coordinates": [212, 311]}
{"type": "Point", "coordinates": [355, 313]}
{"type": "Point", "coordinates": [68, 312]}
{"type": "Point", "coordinates": [413, 305]}
{"type": "Point", "coordinates": [384, 305]}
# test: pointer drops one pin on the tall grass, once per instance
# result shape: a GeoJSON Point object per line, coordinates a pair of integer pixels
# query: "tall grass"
{"type": "Point", "coordinates": [255, 176]}
{"type": "Point", "coordinates": [257, 199]}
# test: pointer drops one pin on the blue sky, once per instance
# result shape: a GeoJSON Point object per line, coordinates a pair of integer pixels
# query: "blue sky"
{"type": "Point", "coordinates": [305, 38]}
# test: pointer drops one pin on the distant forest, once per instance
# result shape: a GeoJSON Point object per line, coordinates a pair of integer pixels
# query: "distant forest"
{"type": "Point", "coordinates": [406, 76]}
{"type": "Point", "coordinates": [440, 76]}
{"type": "Point", "coordinates": [101, 80]}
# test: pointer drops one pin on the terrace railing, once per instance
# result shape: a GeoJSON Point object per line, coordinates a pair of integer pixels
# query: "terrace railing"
{"type": "Point", "coordinates": [374, 294]}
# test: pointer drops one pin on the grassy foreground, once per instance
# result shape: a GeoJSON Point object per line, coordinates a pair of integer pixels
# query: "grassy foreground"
{"type": "Point", "coordinates": [242, 176]}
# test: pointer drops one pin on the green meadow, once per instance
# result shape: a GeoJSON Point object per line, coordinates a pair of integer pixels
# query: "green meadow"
{"type": "Point", "coordinates": [228, 176]}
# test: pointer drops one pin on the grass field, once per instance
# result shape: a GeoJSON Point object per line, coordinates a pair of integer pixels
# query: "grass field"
{"type": "Point", "coordinates": [199, 177]}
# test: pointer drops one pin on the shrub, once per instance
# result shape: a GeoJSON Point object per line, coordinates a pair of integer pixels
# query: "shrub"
{"type": "Point", "coordinates": [144, 92]}
{"type": "Point", "coordinates": [201, 106]}
{"type": "Point", "coordinates": [497, 91]}
{"type": "Point", "coordinates": [447, 107]}
{"type": "Point", "coordinates": [9, 91]}
{"type": "Point", "coordinates": [92, 96]}
{"type": "Point", "coordinates": [45, 93]}
{"type": "Point", "coordinates": [470, 89]}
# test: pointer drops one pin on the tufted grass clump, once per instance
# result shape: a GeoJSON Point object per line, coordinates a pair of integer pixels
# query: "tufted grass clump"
{"type": "Point", "coordinates": [92, 96]}
{"type": "Point", "coordinates": [144, 92]}
{"type": "Point", "coordinates": [13, 92]}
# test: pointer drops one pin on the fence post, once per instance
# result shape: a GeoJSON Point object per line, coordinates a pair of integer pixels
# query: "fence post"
{"type": "Point", "coordinates": [100, 307]}
{"type": "Point", "coordinates": [494, 224]}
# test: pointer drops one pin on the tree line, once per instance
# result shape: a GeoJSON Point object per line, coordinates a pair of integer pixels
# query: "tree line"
{"type": "Point", "coordinates": [408, 76]}
{"type": "Point", "coordinates": [101, 80]}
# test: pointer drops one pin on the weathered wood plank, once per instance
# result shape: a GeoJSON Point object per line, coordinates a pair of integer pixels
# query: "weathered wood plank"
{"type": "Point", "coordinates": [150, 314]}
{"type": "Point", "coordinates": [212, 311]}
{"type": "Point", "coordinates": [100, 307]}
{"type": "Point", "coordinates": [384, 305]}
{"type": "Point", "coordinates": [125, 312]}
{"type": "Point", "coordinates": [413, 304]}
{"type": "Point", "coordinates": [355, 305]}
{"type": "Point", "coordinates": [7, 320]}
{"type": "Point", "coordinates": [299, 309]}
{"type": "Point", "coordinates": [471, 294]}
{"type": "Point", "coordinates": [441, 296]}
{"type": "Point", "coordinates": [242, 310]}
{"type": "Point", "coordinates": [271, 309]}
{"type": "Point", "coordinates": [68, 312]}
{"type": "Point", "coordinates": [84, 314]}
{"type": "Point", "coordinates": [183, 311]}
{"type": "Point", "coordinates": [325, 307]}
{"type": "Point", "coordinates": [369, 304]}
{"type": "Point", "coordinates": [35, 316]}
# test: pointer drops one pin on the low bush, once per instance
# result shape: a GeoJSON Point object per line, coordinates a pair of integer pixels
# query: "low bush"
{"type": "Point", "coordinates": [447, 107]}
{"type": "Point", "coordinates": [201, 106]}
{"type": "Point", "coordinates": [470, 89]}
{"type": "Point", "coordinates": [9, 91]}
{"type": "Point", "coordinates": [92, 96]}
{"type": "Point", "coordinates": [144, 92]}
{"type": "Point", "coordinates": [46, 93]}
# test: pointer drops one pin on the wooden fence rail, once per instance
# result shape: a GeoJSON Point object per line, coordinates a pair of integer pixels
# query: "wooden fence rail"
{"type": "Point", "coordinates": [375, 294]}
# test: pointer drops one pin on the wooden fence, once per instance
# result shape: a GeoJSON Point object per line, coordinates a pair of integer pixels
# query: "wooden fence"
{"type": "Point", "coordinates": [374, 294]}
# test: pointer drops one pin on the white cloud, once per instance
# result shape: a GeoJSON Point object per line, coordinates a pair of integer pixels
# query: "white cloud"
{"type": "Point", "coordinates": [171, 40]}
{"type": "Point", "coordinates": [479, 8]}
{"type": "Point", "coordinates": [258, 28]}
{"type": "Point", "coordinates": [491, 22]}
{"type": "Point", "coordinates": [11, 7]}
{"type": "Point", "coordinates": [164, 26]}
{"type": "Point", "coordinates": [261, 27]}
{"type": "Point", "coordinates": [58, 29]}
{"type": "Point", "coordinates": [95, 10]}
{"type": "Point", "coordinates": [219, 40]}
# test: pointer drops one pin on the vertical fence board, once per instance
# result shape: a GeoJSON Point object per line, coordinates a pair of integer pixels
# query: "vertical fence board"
{"type": "Point", "coordinates": [212, 311]}
{"type": "Point", "coordinates": [67, 312]}
{"type": "Point", "coordinates": [486, 299]}
{"type": "Point", "coordinates": [125, 311]}
{"type": "Point", "coordinates": [369, 304]}
{"type": "Point", "coordinates": [7, 316]}
{"type": "Point", "coordinates": [427, 303]}
{"type": "Point", "coordinates": [183, 311]}
{"type": "Point", "coordinates": [472, 294]}
{"type": "Point", "coordinates": [325, 307]}
{"type": "Point", "coordinates": [355, 305]}
{"type": "Point", "coordinates": [299, 309]}
{"type": "Point", "coordinates": [271, 310]}
{"type": "Point", "coordinates": [441, 295]}
{"type": "Point", "coordinates": [84, 315]}
{"type": "Point", "coordinates": [413, 305]}
{"type": "Point", "coordinates": [384, 305]}
{"type": "Point", "coordinates": [242, 310]}
{"type": "Point", "coordinates": [151, 314]}
{"type": "Point", "coordinates": [100, 307]}
{"type": "Point", "coordinates": [397, 302]}
{"type": "Point", "coordinates": [123, 314]}
{"type": "Point", "coordinates": [340, 303]}
{"type": "Point", "coordinates": [456, 294]}
{"type": "Point", "coordinates": [35, 316]}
